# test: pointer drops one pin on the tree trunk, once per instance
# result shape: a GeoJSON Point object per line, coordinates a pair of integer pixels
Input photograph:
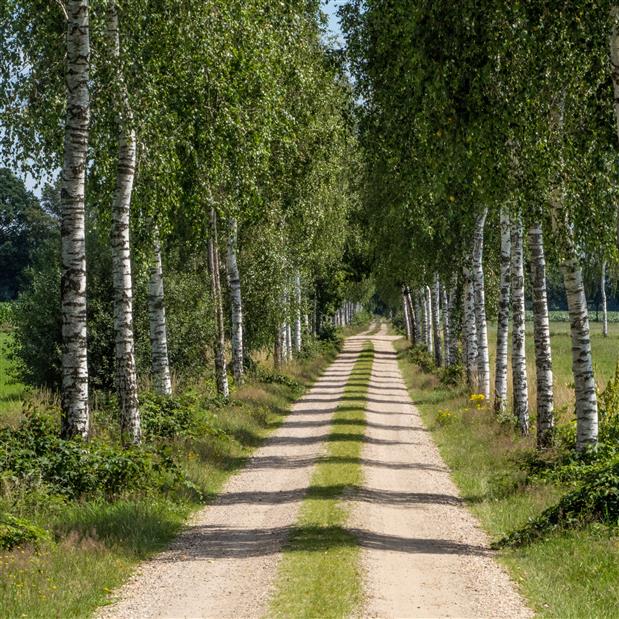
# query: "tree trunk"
{"type": "Point", "coordinates": [604, 303]}
{"type": "Point", "coordinates": [519, 360]}
{"type": "Point", "coordinates": [429, 327]}
{"type": "Point", "coordinates": [446, 327]}
{"type": "Point", "coordinates": [221, 375]}
{"type": "Point", "coordinates": [405, 311]}
{"type": "Point", "coordinates": [414, 316]}
{"type": "Point", "coordinates": [277, 349]}
{"type": "Point", "coordinates": [421, 311]}
{"type": "Point", "coordinates": [124, 351]}
{"type": "Point", "coordinates": [75, 413]}
{"type": "Point", "coordinates": [541, 330]}
{"type": "Point", "coordinates": [483, 361]}
{"type": "Point", "coordinates": [436, 326]}
{"type": "Point", "coordinates": [160, 366]}
{"type": "Point", "coordinates": [470, 331]}
{"type": "Point", "coordinates": [582, 364]}
{"type": "Point", "coordinates": [236, 304]}
{"type": "Point", "coordinates": [502, 330]}
{"type": "Point", "coordinates": [298, 342]}
{"type": "Point", "coordinates": [451, 308]}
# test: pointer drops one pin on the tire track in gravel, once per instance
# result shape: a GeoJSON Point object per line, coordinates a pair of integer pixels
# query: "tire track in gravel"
{"type": "Point", "coordinates": [224, 562]}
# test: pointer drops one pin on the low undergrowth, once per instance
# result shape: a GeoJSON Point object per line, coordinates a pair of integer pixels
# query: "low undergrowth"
{"type": "Point", "coordinates": [319, 576]}
{"type": "Point", "coordinates": [76, 516]}
{"type": "Point", "coordinates": [554, 515]}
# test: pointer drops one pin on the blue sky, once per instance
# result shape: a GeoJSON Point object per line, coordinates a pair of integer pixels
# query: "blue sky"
{"type": "Point", "coordinates": [330, 8]}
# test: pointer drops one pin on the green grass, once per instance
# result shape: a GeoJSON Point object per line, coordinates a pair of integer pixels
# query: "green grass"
{"type": "Point", "coordinates": [320, 575]}
{"type": "Point", "coordinates": [96, 544]}
{"type": "Point", "coordinates": [571, 574]}
{"type": "Point", "coordinates": [11, 391]}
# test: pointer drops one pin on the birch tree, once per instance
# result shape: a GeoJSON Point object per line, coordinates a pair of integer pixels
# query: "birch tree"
{"type": "Point", "coordinates": [500, 384]}
{"type": "Point", "coordinates": [126, 379]}
{"type": "Point", "coordinates": [75, 412]}
{"type": "Point", "coordinates": [236, 303]}
{"type": "Point", "coordinates": [436, 327]}
{"type": "Point", "coordinates": [541, 334]}
{"type": "Point", "coordinates": [483, 362]}
{"type": "Point", "coordinates": [519, 359]}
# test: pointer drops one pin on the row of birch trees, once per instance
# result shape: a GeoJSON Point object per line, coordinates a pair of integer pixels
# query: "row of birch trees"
{"type": "Point", "coordinates": [489, 133]}
{"type": "Point", "coordinates": [219, 128]}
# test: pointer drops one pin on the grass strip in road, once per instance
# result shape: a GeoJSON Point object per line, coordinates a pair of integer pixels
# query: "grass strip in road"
{"type": "Point", "coordinates": [320, 574]}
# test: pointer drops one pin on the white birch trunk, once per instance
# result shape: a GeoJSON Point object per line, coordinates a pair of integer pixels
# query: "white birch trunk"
{"type": "Point", "coordinates": [519, 361]}
{"type": "Point", "coordinates": [446, 327]}
{"type": "Point", "coordinates": [502, 331]}
{"type": "Point", "coordinates": [289, 354]}
{"type": "Point", "coordinates": [124, 350]}
{"type": "Point", "coordinates": [298, 343]}
{"type": "Point", "coordinates": [405, 311]}
{"type": "Point", "coordinates": [451, 307]}
{"type": "Point", "coordinates": [603, 300]}
{"type": "Point", "coordinates": [75, 412]}
{"type": "Point", "coordinates": [470, 331]}
{"type": "Point", "coordinates": [221, 375]}
{"type": "Point", "coordinates": [483, 361]}
{"type": "Point", "coordinates": [541, 330]}
{"type": "Point", "coordinates": [414, 316]}
{"type": "Point", "coordinates": [582, 364]}
{"type": "Point", "coordinates": [436, 325]}
{"type": "Point", "coordinates": [428, 312]}
{"type": "Point", "coordinates": [160, 366]}
{"type": "Point", "coordinates": [236, 304]}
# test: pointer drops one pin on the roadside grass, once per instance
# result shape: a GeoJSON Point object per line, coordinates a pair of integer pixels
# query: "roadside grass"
{"type": "Point", "coordinates": [96, 543]}
{"type": "Point", "coordinates": [11, 391]}
{"type": "Point", "coordinates": [320, 575]}
{"type": "Point", "coordinates": [568, 574]}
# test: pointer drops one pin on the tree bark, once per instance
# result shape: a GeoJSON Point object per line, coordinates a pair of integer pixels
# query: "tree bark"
{"type": "Point", "coordinates": [298, 342]}
{"type": "Point", "coordinates": [446, 327]}
{"type": "Point", "coordinates": [160, 366]}
{"type": "Point", "coordinates": [124, 350]}
{"type": "Point", "coordinates": [483, 361]}
{"type": "Point", "coordinates": [470, 331]}
{"type": "Point", "coordinates": [502, 332]}
{"type": "Point", "coordinates": [75, 412]}
{"type": "Point", "coordinates": [405, 311]}
{"type": "Point", "coordinates": [429, 327]}
{"type": "Point", "coordinates": [452, 339]}
{"type": "Point", "coordinates": [541, 330]}
{"type": "Point", "coordinates": [221, 375]}
{"type": "Point", "coordinates": [436, 326]}
{"type": "Point", "coordinates": [236, 304]}
{"type": "Point", "coordinates": [582, 363]}
{"type": "Point", "coordinates": [519, 360]}
{"type": "Point", "coordinates": [414, 316]}
{"type": "Point", "coordinates": [603, 299]}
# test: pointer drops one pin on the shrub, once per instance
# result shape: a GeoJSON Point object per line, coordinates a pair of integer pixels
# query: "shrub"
{"type": "Point", "coordinates": [18, 531]}
{"type": "Point", "coordinates": [452, 375]}
{"type": "Point", "coordinates": [420, 356]}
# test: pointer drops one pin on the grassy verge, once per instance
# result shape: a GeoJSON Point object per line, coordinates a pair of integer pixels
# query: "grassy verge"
{"type": "Point", "coordinates": [97, 541]}
{"type": "Point", "coordinates": [319, 576]}
{"type": "Point", "coordinates": [11, 391]}
{"type": "Point", "coordinates": [564, 574]}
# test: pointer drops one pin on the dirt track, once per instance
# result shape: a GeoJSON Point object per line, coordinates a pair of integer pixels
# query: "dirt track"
{"type": "Point", "coordinates": [423, 554]}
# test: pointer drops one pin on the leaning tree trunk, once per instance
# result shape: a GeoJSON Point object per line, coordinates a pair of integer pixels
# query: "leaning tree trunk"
{"type": "Point", "coordinates": [519, 360]}
{"type": "Point", "coordinates": [236, 303]}
{"type": "Point", "coordinates": [298, 342]}
{"type": "Point", "coordinates": [160, 366]}
{"type": "Point", "coordinates": [75, 413]}
{"type": "Point", "coordinates": [413, 313]}
{"type": "Point", "coordinates": [124, 350]}
{"type": "Point", "coordinates": [436, 327]}
{"type": "Point", "coordinates": [541, 330]}
{"type": "Point", "coordinates": [502, 330]}
{"type": "Point", "coordinates": [483, 361]}
{"type": "Point", "coordinates": [470, 331]}
{"type": "Point", "coordinates": [405, 311]}
{"type": "Point", "coordinates": [221, 375]}
{"type": "Point", "coordinates": [582, 364]}
{"type": "Point", "coordinates": [603, 299]}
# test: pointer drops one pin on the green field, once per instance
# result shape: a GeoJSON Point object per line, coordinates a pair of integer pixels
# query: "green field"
{"type": "Point", "coordinates": [11, 391]}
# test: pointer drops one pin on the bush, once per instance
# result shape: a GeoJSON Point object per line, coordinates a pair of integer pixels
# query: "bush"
{"type": "Point", "coordinates": [34, 453]}
{"type": "Point", "coordinates": [18, 531]}
{"type": "Point", "coordinates": [420, 356]}
{"type": "Point", "coordinates": [597, 500]}
{"type": "Point", "coordinates": [453, 375]}
{"type": "Point", "coordinates": [6, 315]}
